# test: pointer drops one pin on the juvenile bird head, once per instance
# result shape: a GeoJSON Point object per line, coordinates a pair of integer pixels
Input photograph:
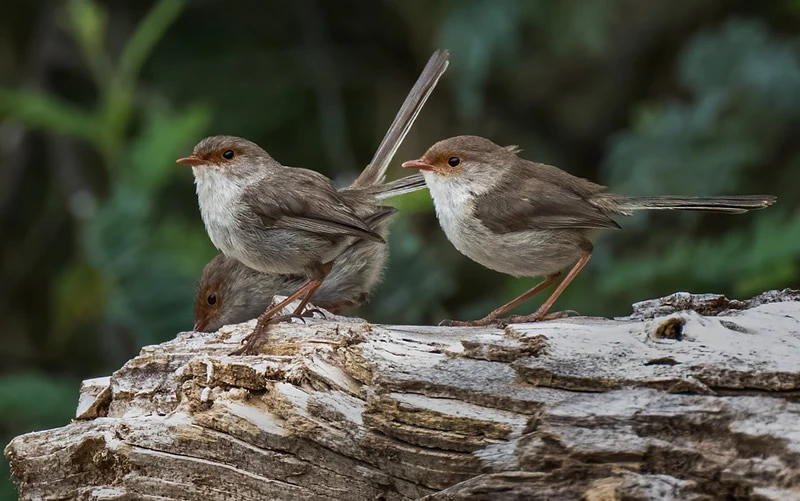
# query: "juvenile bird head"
{"type": "Point", "coordinates": [210, 298]}
{"type": "Point", "coordinates": [230, 293]}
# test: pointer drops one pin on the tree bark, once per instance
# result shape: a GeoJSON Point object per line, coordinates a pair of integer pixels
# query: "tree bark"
{"type": "Point", "coordinates": [691, 397]}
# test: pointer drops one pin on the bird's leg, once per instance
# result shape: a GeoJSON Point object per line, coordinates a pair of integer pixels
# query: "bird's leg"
{"type": "Point", "coordinates": [266, 318]}
{"type": "Point", "coordinates": [272, 310]}
{"type": "Point", "coordinates": [324, 270]}
{"type": "Point", "coordinates": [541, 313]}
{"type": "Point", "coordinates": [336, 309]}
{"type": "Point", "coordinates": [496, 314]}
{"type": "Point", "coordinates": [251, 341]}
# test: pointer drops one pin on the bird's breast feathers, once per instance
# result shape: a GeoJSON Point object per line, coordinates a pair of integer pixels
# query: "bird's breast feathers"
{"type": "Point", "coordinates": [219, 197]}
{"type": "Point", "coordinates": [455, 208]}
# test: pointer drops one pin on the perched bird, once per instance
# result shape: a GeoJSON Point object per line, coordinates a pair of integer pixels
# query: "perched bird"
{"type": "Point", "coordinates": [230, 292]}
{"type": "Point", "coordinates": [288, 220]}
{"type": "Point", "coordinates": [528, 219]}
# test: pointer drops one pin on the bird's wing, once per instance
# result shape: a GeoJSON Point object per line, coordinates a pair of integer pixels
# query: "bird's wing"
{"type": "Point", "coordinates": [537, 199]}
{"type": "Point", "coordinates": [304, 200]}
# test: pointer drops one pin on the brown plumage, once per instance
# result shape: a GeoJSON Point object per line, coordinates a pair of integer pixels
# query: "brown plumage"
{"type": "Point", "coordinates": [285, 220]}
{"type": "Point", "coordinates": [230, 292]}
{"type": "Point", "coordinates": [530, 219]}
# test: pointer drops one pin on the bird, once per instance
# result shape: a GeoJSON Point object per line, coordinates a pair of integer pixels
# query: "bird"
{"type": "Point", "coordinates": [230, 292]}
{"type": "Point", "coordinates": [529, 219]}
{"type": "Point", "coordinates": [289, 220]}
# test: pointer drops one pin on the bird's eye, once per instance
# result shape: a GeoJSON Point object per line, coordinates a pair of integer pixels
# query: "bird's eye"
{"type": "Point", "coordinates": [212, 299]}
{"type": "Point", "coordinates": [453, 161]}
{"type": "Point", "coordinates": [227, 154]}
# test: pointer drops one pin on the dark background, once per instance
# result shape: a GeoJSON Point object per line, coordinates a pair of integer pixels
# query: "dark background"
{"type": "Point", "coordinates": [102, 242]}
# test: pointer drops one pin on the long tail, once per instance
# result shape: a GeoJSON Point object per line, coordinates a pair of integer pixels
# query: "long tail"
{"type": "Point", "coordinates": [400, 186]}
{"type": "Point", "coordinates": [375, 172]}
{"type": "Point", "coordinates": [731, 204]}
{"type": "Point", "coordinates": [394, 188]}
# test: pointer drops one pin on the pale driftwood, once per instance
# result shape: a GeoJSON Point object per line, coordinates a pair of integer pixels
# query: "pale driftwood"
{"type": "Point", "coordinates": [666, 404]}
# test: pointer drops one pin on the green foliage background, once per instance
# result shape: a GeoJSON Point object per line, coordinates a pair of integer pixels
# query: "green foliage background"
{"type": "Point", "coordinates": [102, 242]}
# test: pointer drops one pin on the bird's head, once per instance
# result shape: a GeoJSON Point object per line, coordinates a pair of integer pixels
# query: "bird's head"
{"type": "Point", "coordinates": [234, 156]}
{"type": "Point", "coordinates": [467, 160]}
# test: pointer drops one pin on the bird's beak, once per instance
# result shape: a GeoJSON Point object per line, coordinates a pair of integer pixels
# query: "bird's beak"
{"type": "Point", "coordinates": [191, 160]}
{"type": "Point", "coordinates": [200, 325]}
{"type": "Point", "coordinates": [417, 164]}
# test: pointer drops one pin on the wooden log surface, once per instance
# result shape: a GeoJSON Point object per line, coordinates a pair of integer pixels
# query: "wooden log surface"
{"type": "Point", "coordinates": [691, 397]}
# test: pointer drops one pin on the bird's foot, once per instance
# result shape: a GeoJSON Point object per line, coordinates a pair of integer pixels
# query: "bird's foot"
{"type": "Point", "coordinates": [289, 317]}
{"type": "Point", "coordinates": [253, 340]}
{"type": "Point", "coordinates": [471, 323]}
{"type": "Point", "coordinates": [536, 317]}
{"type": "Point", "coordinates": [309, 313]}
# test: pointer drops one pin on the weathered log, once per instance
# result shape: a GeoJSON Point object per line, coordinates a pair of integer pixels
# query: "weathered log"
{"type": "Point", "coordinates": [692, 397]}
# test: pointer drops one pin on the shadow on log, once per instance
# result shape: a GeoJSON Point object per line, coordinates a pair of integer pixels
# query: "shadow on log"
{"type": "Point", "coordinates": [692, 397]}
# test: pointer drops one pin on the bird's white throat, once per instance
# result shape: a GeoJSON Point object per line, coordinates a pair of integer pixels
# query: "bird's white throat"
{"type": "Point", "coordinates": [219, 196]}
{"type": "Point", "coordinates": [454, 200]}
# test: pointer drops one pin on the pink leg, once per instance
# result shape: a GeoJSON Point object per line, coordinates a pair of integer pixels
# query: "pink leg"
{"type": "Point", "coordinates": [496, 314]}
{"type": "Point", "coordinates": [541, 313]}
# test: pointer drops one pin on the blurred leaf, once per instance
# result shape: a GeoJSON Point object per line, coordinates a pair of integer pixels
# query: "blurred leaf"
{"type": "Point", "coordinates": [478, 33]}
{"type": "Point", "coordinates": [792, 6]}
{"type": "Point", "coordinates": [7, 490]}
{"type": "Point", "coordinates": [411, 263]}
{"type": "Point", "coordinates": [147, 293]}
{"type": "Point", "coordinates": [86, 22]}
{"type": "Point", "coordinates": [117, 99]}
{"type": "Point", "coordinates": [79, 298]}
{"type": "Point", "coordinates": [746, 254]}
{"type": "Point", "coordinates": [777, 273]}
{"type": "Point", "coordinates": [35, 401]}
{"type": "Point", "coordinates": [32, 402]}
{"type": "Point", "coordinates": [115, 113]}
{"type": "Point", "coordinates": [153, 152]}
{"type": "Point", "coordinates": [188, 244]}
{"type": "Point", "coordinates": [747, 88]}
{"type": "Point", "coordinates": [570, 29]}
{"type": "Point", "coordinates": [410, 203]}
{"type": "Point", "coordinates": [742, 56]}
{"type": "Point", "coordinates": [149, 31]}
{"type": "Point", "coordinates": [48, 113]}
{"type": "Point", "coordinates": [697, 143]}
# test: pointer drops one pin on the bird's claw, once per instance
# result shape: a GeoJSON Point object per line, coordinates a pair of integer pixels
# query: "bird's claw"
{"type": "Point", "coordinates": [470, 323]}
{"type": "Point", "coordinates": [536, 317]}
{"type": "Point", "coordinates": [287, 318]}
{"type": "Point", "coordinates": [502, 322]}
{"type": "Point", "coordinates": [310, 313]}
{"type": "Point", "coordinates": [250, 341]}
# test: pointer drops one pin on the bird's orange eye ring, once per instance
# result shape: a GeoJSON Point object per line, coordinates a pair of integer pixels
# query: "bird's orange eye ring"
{"type": "Point", "coordinates": [453, 161]}
{"type": "Point", "coordinates": [212, 299]}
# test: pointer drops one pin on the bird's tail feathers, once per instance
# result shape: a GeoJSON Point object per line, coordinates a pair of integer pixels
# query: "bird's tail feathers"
{"type": "Point", "coordinates": [375, 172]}
{"type": "Point", "coordinates": [397, 187]}
{"type": "Point", "coordinates": [730, 204]}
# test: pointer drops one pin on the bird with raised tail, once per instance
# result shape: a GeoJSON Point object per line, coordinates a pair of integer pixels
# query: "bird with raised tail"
{"type": "Point", "coordinates": [292, 221]}
{"type": "Point", "coordinates": [230, 292]}
{"type": "Point", "coordinates": [528, 219]}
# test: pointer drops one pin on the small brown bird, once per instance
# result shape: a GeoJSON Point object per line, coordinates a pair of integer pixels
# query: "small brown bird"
{"type": "Point", "coordinates": [230, 292]}
{"type": "Point", "coordinates": [288, 220]}
{"type": "Point", "coordinates": [528, 219]}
